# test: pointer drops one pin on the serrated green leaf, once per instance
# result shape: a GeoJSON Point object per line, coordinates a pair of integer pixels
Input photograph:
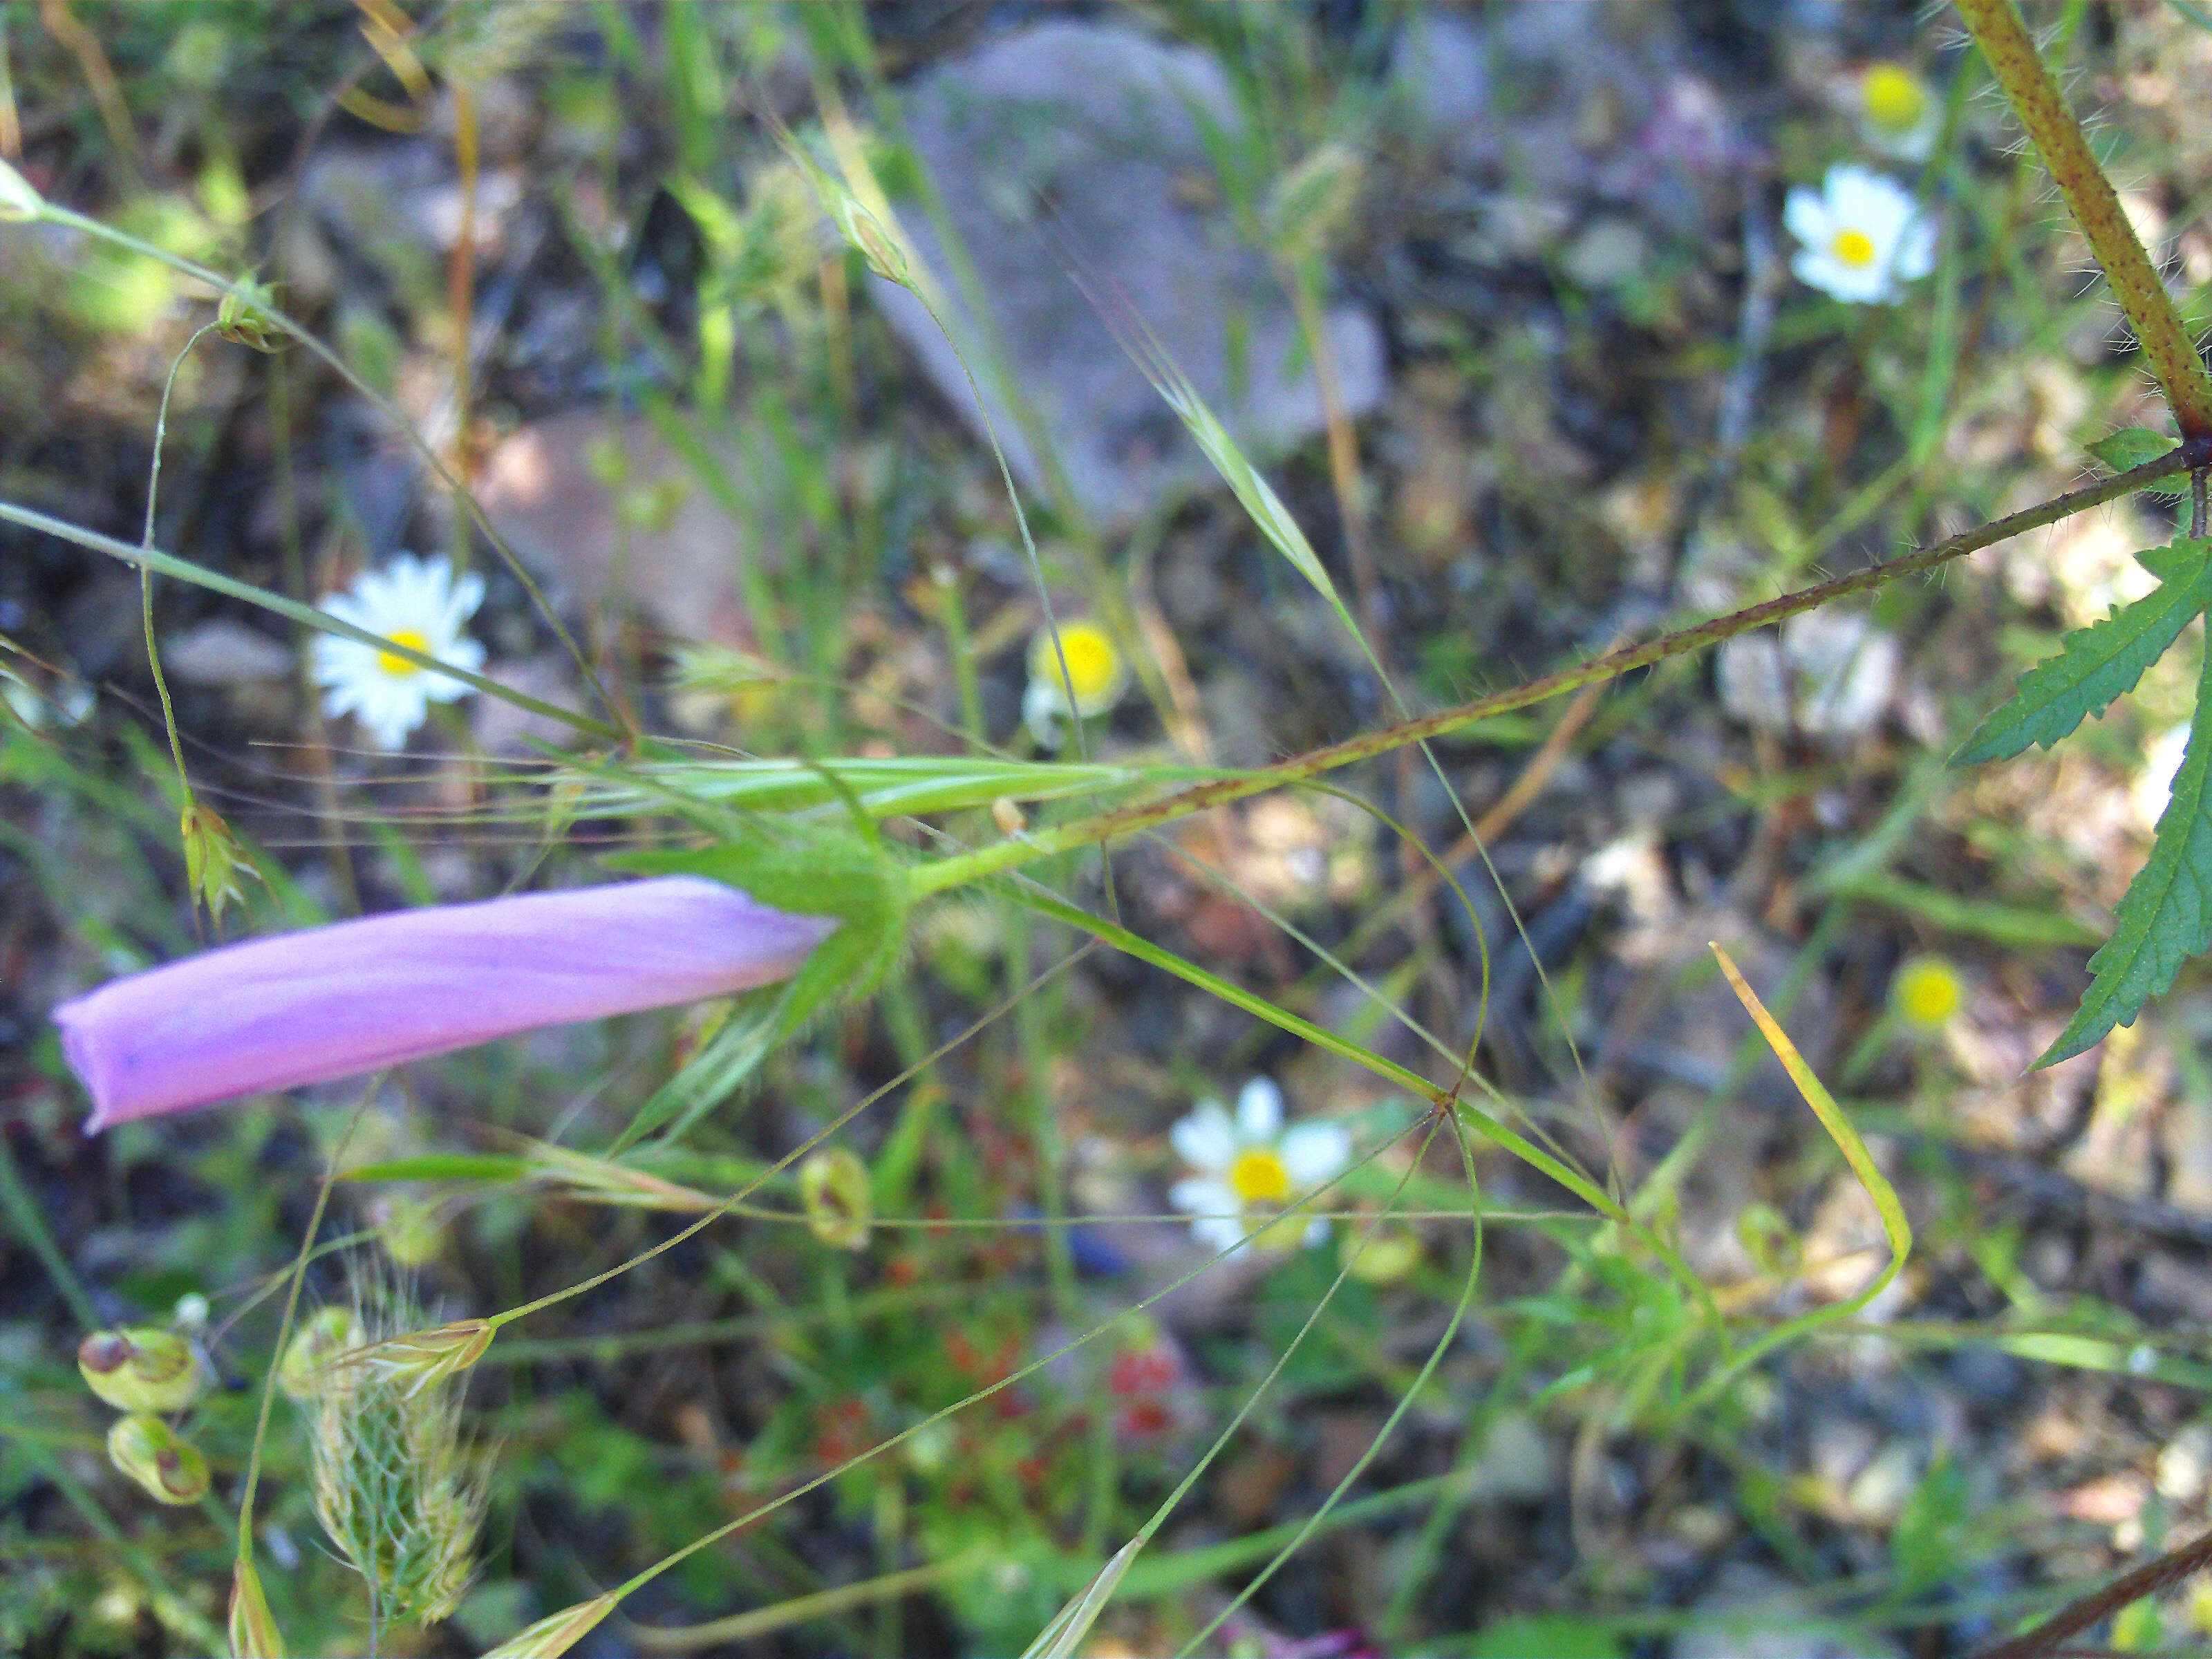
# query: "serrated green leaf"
{"type": "Point", "coordinates": [819, 870]}
{"type": "Point", "coordinates": [2166, 915]}
{"type": "Point", "coordinates": [2132, 446]}
{"type": "Point", "coordinates": [2095, 664]}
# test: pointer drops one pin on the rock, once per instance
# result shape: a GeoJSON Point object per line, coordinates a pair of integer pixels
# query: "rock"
{"type": "Point", "coordinates": [1610, 252]}
{"type": "Point", "coordinates": [544, 489]}
{"type": "Point", "coordinates": [1831, 673]}
{"type": "Point", "coordinates": [223, 652]}
{"type": "Point", "coordinates": [1098, 119]}
{"type": "Point", "coordinates": [1442, 60]}
{"type": "Point", "coordinates": [2183, 1464]}
{"type": "Point", "coordinates": [501, 728]}
{"type": "Point", "coordinates": [1576, 104]}
{"type": "Point", "coordinates": [1518, 1465]}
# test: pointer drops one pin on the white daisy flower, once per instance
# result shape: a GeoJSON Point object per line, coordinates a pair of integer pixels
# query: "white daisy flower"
{"type": "Point", "coordinates": [1899, 114]}
{"type": "Point", "coordinates": [1096, 673]}
{"type": "Point", "coordinates": [1864, 234]}
{"type": "Point", "coordinates": [1250, 1167]}
{"type": "Point", "coordinates": [411, 602]}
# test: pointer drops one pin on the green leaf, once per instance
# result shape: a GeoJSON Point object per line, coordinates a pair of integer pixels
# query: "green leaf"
{"type": "Point", "coordinates": [888, 787]}
{"type": "Point", "coordinates": [2095, 664]}
{"type": "Point", "coordinates": [810, 870]}
{"type": "Point", "coordinates": [2133, 447]}
{"type": "Point", "coordinates": [2167, 915]}
{"type": "Point", "coordinates": [719, 1068]}
{"type": "Point", "coordinates": [442, 1166]}
{"type": "Point", "coordinates": [1560, 1635]}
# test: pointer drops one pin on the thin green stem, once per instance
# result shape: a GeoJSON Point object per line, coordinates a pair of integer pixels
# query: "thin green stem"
{"type": "Point", "coordinates": [2041, 107]}
{"type": "Point", "coordinates": [297, 1277]}
{"type": "Point", "coordinates": [146, 576]}
{"type": "Point", "coordinates": [91, 226]}
{"type": "Point", "coordinates": [963, 869]}
{"type": "Point", "coordinates": [167, 564]}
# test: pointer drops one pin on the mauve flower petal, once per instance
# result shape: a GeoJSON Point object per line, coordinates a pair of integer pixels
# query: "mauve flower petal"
{"type": "Point", "coordinates": [332, 1002]}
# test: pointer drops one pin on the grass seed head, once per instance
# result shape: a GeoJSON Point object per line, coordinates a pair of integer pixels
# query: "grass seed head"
{"type": "Point", "coordinates": [253, 1633]}
{"type": "Point", "coordinates": [558, 1632]}
{"type": "Point", "coordinates": [397, 1485]}
{"type": "Point", "coordinates": [19, 202]}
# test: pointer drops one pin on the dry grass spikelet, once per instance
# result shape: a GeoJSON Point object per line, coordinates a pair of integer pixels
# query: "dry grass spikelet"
{"type": "Point", "coordinates": [399, 1485]}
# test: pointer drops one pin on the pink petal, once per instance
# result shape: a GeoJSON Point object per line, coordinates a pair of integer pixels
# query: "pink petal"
{"type": "Point", "coordinates": [330, 1002]}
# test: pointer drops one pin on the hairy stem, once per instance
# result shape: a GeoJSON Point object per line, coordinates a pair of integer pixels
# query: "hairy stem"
{"type": "Point", "coordinates": [2042, 110]}
{"type": "Point", "coordinates": [964, 868]}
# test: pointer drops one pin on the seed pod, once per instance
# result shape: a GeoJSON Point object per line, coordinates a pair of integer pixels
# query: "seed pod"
{"type": "Point", "coordinates": [144, 1369]}
{"type": "Point", "coordinates": [306, 1371]}
{"type": "Point", "coordinates": [253, 1633]}
{"type": "Point", "coordinates": [154, 1455]}
{"type": "Point", "coordinates": [841, 1206]}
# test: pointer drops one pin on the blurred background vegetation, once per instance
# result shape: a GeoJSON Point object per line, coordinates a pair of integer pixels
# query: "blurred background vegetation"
{"type": "Point", "coordinates": [1500, 298]}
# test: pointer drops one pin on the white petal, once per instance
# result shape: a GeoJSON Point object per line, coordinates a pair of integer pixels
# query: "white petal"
{"type": "Point", "coordinates": [1807, 217]}
{"type": "Point", "coordinates": [1854, 192]}
{"type": "Point", "coordinates": [1204, 1140]}
{"type": "Point", "coordinates": [1315, 1152]}
{"type": "Point", "coordinates": [1200, 1195]}
{"type": "Point", "coordinates": [1916, 252]}
{"type": "Point", "coordinates": [1316, 1232]}
{"type": "Point", "coordinates": [1259, 1111]}
{"type": "Point", "coordinates": [461, 604]}
{"type": "Point", "coordinates": [1043, 709]}
{"type": "Point", "coordinates": [1838, 280]}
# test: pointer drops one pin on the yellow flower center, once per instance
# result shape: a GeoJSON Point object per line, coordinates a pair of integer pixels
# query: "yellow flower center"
{"type": "Point", "coordinates": [1928, 993]}
{"type": "Point", "coordinates": [1854, 248]}
{"type": "Point", "coordinates": [1896, 99]}
{"type": "Point", "coordinates": [1257, 1176]}
{"type": "Point", "coordinates": [1094, 666]}
{"type": "Point", "coordinates": [398, 667]}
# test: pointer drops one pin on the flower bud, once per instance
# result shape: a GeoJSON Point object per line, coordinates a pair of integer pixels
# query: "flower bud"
{"type": "Point", "coordinates": [213, 859]}
{"type": "Point", "coordinates": [244, 318]}
{"type": "Point", "coordinates": [555, 1633]}
{"type": "Point", "coordinates": [839, 1199]}
{"type": "Point", "coordinates": [1928, 993]}
{"type": "Point", "coordinates": [151, 1453]}
{"type": "Point", "coordinates": [1382, 1256]}
{"type": "Point", "coordinates": [306, 1371]}
{"type": "Point", "coordinates": [253, 1633]}
{"type": "Point", "coordinates": [19, 202]}
{"type": "Point", "coordinates": [144, 1369]}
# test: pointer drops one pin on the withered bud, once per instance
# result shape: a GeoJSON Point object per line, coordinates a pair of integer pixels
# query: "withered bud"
{"type": "Point", "coordinates": [306, 1371]}
{"type": "Point", "coordinates": [143, 1369]}
{"type": "Point", "coordinates": [169, 1467]}
{"type": "Point", "coordinates": [838, 1197]}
